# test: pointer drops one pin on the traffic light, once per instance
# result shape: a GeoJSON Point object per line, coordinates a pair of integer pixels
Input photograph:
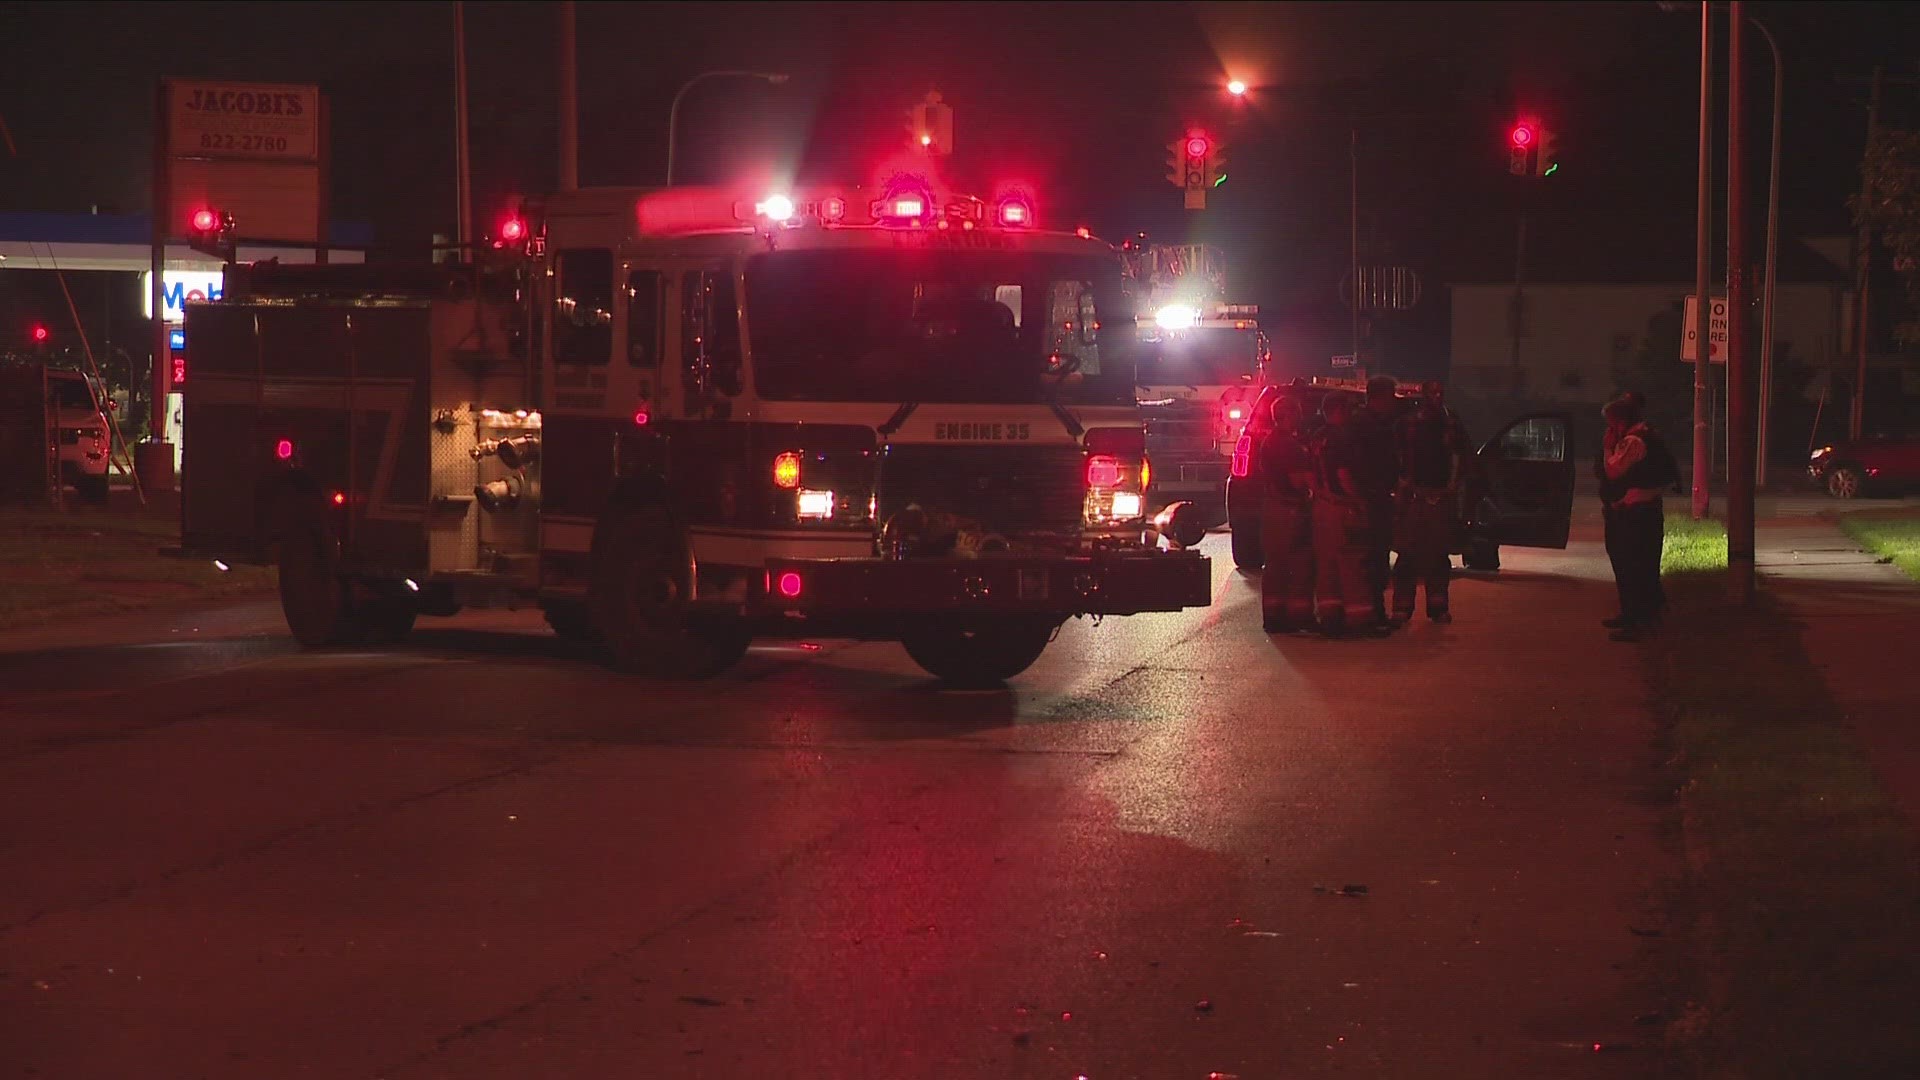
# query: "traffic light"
{"type": "Point", "coordinates": [930, 125]}
{"type": "Point", "coordinates": [211, 230]}
{"type": "Point", "coordinates": [1547, 161]}
{"type": "Point", "coordinates": [1195, 151]}
{"type": "Point", "coordinates": [1523, 146]}
{"type": "Point", "coordinates": [1216, 163]}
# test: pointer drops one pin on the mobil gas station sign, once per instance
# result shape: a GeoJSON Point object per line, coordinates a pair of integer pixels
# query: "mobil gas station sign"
{"type": "Point", "coordinates": [178, 288]}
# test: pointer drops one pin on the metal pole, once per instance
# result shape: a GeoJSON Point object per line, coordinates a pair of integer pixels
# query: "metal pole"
{"type": "Point", "coordinates": [1740, 445]}
{"type": "Point", "coordinates": [673, 113]}
{"type": "Point", "coordinates": [1353, 251]}
{"type": "Point", "coordinates": [1518, 315]}
{"type": "Point", "coordinates": [1770, 281]}
{"type": "Point", "coordinates": [1857, 416]}
{"type": "Point", "coordinates": [159, 453]}
{"type": "Point", "coordinates": [569, 104]}
{"type": "Point", "coordinates": [463, 179]}
{"type": "Point", "coordinates": [1703, 304]}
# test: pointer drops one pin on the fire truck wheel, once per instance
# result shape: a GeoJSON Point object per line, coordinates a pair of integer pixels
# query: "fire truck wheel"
{"type": "Point", "coordinates": [639, 605]}
{"type": "Point", "coordinates": [979, 655]}
{"type": "Point", "coordinates": [1247, 553]}
{"type": "Point", "coordinates": [572, 623]}
{"type": "Point", "coordinates": [317, 601]}
{"type": "Point", "coordinates": [1481, 554]}
{"type": "Point", "coordinates": [384, 620]}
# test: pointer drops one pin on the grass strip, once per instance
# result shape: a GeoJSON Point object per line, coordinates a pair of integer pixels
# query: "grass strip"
{"type": "Point", "coordinates": [1805, 884]}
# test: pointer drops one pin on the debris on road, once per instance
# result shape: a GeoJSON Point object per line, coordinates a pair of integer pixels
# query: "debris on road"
{"type": "Point", "coordinates": [1344, 890]}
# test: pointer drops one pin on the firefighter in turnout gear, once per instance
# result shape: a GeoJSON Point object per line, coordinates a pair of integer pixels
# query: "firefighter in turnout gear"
{"type": "Point", "coordinates": [1377, 470]}
{"type": "Point", "coordinates": [1286, 528]}
{"type": "Point", "coordinates": [1432, 451]}
{"type": "Point", "coordinates": [1343, 596]}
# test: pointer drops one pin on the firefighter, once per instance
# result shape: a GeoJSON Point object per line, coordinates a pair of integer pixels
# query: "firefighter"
{"type": "Point", "coordinates": [1342, 594]}
{"type": "Point", "coordinates": [1286, 521]}
{"type": "Point", "coordinates": [1377, 470]}
{"type": "Point", "coordinates": [1432, 452]}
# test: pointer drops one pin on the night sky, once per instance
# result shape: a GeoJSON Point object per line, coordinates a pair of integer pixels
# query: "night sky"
{"type": "Point", "coordinates": [1078, 99]}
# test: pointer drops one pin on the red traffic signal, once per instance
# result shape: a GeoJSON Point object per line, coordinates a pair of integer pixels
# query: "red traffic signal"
{"type": "Point", "coordinates": [40, 334]}
{"type": "Point", "coordinates": [1522, 136]}
{"type": "Point", "coordinates": [1197, 144]}
{"type": "Point", "coordinates": [204, 220]}
{"type": "Point", "coordinates": [513, 230]}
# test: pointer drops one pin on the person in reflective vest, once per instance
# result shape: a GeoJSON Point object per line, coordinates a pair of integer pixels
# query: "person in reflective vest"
{"type": "Point", "coordinates": [1343, 598]}
{"type": "Point", "coordinates": [1636, 469]}
{"type": "Point", "coordinates": [1432, 452]}
{"type": "Point", "coordinates": [1286, 521]}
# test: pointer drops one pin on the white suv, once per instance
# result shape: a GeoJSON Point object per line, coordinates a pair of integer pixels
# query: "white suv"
{"type": "Point", "coordinates": [84, 438]}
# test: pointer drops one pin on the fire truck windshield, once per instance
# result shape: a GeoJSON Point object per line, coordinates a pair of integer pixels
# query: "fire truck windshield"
{"type": "Point", "coordinates": [1203, 356]}
{"type": "Point", "coordinates": [938, 325]}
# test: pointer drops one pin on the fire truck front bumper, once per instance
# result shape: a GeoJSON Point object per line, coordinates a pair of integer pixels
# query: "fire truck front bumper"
{"type": "Point", "coordinates": [1098, 584]}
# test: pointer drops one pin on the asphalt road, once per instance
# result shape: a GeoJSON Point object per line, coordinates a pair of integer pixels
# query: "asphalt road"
{"type": "Point", "coordinates": [483, 856]}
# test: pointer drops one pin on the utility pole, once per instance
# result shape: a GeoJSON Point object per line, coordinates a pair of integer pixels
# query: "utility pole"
{"type": "Point", "coordinates": [463, 182]}
{"type": "Point", "coordinates": [1773, 262]}
{"type": "Point", "coordinates": [1857, 417]}
{"type": "Point", "coordinates": [1518, 316]}
{"type": "Point", "coordinates": [1703, 304]}
{"type": "Point", "coordinates": [569, 104]}
{"type": "Point", "coordinates": [1740, 445]}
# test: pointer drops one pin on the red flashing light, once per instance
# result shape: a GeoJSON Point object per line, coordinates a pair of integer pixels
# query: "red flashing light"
{"type": "Point", "coordinates": [339, 498]}
{"type": "Point", "coordinates": [204, 220]}
{"type": "Point", "coordinates": [790, 585]}
{"type": "Point", "coordinates": [641, 418]}
{"type": "Point", "coordinates": [1104, 471]}
{"type": "Point", "coordinates": [1083, 233]}
{"type": "Point", "coordinates": [1015, 213]}
{"type": "Point", "coordinates": [1521, 136]}
{"type": "Point", "coordinates": [40, 333]}
{"type": "Point", "coordinates": [513, 230]}
{"type": "Point", "coordinates": [786, 471]}
{"type": "Point", "coordinates": [283, 449]}
{"type": "Point", "coordinates": [1197, 146]}
{"type": "Point", "coordinates": [833, 209]}
{"type": "Point", "coordinates": [909, 207]}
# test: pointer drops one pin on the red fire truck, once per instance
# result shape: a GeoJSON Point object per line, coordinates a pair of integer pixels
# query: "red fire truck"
{"type": "Point", "coordinates": [679, 419]}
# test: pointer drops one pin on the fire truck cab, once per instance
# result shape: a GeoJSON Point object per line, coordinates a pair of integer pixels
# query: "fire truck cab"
{"type": "Point", "coordinates": [689, 417]}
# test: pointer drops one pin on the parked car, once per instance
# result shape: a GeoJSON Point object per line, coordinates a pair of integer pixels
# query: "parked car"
{"type": "Point", "coordinates": [1518, 489]}
{"type": "Point", "coordinates": [1875, 464]}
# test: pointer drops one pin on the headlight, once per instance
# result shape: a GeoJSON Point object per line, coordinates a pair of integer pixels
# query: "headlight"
{"type": "Point", "coordinates": [1822, 452]}
{"type": "Point", "coordinates": [1126, 504]}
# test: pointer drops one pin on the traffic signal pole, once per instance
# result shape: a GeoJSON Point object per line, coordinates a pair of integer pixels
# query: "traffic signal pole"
{"type": "Point", "coordinates": [1703, 305]}
{"type": "Point", "coordinates": [1740, 443]}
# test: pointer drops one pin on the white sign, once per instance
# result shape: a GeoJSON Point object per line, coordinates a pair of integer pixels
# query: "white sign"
{"type": "Point", "coordinates": [1716, 333]}
{"type": "Point", "coordinates": [244, 120]}
{"type": "Point", "coordinates": [1343, 360]}
{"type": "Point", "coordinates": [178, 288]}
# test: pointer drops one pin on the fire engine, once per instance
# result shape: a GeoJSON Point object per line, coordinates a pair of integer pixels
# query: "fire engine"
{"type": "Point", "coordinates": [1202, 363]}
{"type": "Point", "coordinates": [679, 419]}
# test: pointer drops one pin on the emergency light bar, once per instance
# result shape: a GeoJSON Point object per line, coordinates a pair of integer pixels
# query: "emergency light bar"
{"type": "Point", "coordinates": [909, 201]}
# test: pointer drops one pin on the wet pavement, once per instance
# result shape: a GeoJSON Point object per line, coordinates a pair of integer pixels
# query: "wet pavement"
{"type": "Point", "coordinates": [1174, 848]}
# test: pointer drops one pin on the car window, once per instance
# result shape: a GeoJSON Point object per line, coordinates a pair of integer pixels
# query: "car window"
{"type": "Point", "coordinates": [1538, 439]}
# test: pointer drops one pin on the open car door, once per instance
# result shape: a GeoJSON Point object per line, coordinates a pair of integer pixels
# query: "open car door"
{"type": "Point", "coordinates": [1524, 483]}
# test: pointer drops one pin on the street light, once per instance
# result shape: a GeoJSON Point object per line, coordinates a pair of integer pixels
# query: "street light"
{"type": "Point", "coordinates": [1236, 88]}
{"type": "Point", "coordinates": [774, 78]}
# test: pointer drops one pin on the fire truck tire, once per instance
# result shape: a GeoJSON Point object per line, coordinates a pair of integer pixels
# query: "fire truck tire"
{"type": "Point", "coordinates": [316, 599]}
{"type": "Point", "coordinates": [1481, 554]}
{"type": "Point", "coordinates": [981, 655]}
{"type": "Point", "coordinates": [92, 490]}
{"type": "Point", "coordinates": [572, 623]}
{"type": "Point", "coordinates": [1247, 553]}
{"type": "Point", "coordinates": [639, 603]}
{"type": "Point", "coordinates": [384, 621]}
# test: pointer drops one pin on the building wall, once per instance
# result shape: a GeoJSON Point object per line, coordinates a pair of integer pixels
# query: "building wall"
{"type": "Point", "coordinates": [1571, 336]}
